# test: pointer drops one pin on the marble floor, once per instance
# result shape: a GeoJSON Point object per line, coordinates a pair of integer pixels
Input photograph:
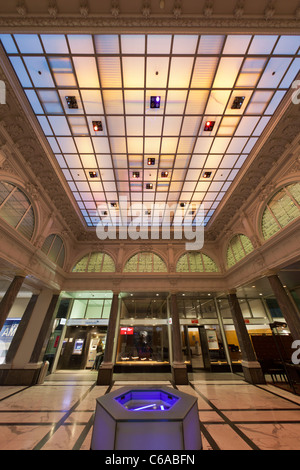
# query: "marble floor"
{"type": "Point", "coordinates": [234, 415]}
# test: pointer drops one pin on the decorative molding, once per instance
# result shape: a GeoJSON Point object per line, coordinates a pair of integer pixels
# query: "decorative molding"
{"type": "Point", "coordinates": [178, 20]}
{"type": "Point", "coordinates": [84, 8]}
{"type": "Point", "coordinates": [52, 8]}
{"type": "Point", "coordinates": [21, 8]}
{"type": "Point", "coordinates": [146, 10]}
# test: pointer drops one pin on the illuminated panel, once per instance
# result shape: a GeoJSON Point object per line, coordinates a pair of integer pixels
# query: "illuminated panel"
{"type": "Point", "coordinates": [112, 78]}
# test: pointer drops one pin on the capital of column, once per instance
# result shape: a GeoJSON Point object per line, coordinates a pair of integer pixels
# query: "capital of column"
{"type": "Point", "coordinates": [270, 272]}
{"type": "Point", "coordinates": [232, 291]}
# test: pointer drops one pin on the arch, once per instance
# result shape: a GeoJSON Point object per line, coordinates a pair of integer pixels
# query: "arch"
{"type": "Point", "coordinates": [16, 209]}
{"type": "Point", "coordinates": [238, 247]}
{"type": "Point", "coordinates": [95, 262]}
{"type": "Point", "coordinates": [280, 210]}
{"type": "Point", "coordinates": [196, 262]}
{"type": "Point", "coordinates": [145, 262]}
{"type": "Point", "coordinates": [54, 249]}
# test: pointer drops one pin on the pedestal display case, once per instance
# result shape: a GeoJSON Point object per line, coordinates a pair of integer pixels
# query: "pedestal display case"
{"type": "Point", "coordinates": [146, 418]}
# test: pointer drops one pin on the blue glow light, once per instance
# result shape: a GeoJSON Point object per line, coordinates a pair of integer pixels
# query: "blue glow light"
{"type": "Point", "coordinates": [147, 400]}
{"type": "Point", "coordinates": [144, 407]}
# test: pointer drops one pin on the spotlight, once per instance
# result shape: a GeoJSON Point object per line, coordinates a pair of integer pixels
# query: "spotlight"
{"type": "Point", "coordinates": [209, 125]}
{"type": "Point", "coordinates": [207, 174]}
{"type": "Point", "coordinates": [97, 126]}
{"type": "Point", "coordinates": [93, 174]}
{"type": "Point", "coordinates": [155, 102]}
{"type": "Point", "coordinates": [71, 102]}
{"type": "Point", "coordinates": [238, 102]}
{"type": "Point", "coordinates": [151, 161]}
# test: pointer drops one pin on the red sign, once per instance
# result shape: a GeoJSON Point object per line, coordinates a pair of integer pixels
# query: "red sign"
{"type": "Point", "coordinates": [56, 341]}
{"type": "Point", "coordinates": [195, 321]}
{"type": "Point", "coordinates": [126, 331]}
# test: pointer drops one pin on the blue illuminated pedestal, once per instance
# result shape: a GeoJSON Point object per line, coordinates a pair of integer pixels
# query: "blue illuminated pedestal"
{"type": "Point", "coordinates": [146, 418]}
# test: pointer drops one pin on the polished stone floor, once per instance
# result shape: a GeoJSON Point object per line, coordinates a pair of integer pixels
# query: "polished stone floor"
{"type": "Point", "coordinates": [234, 415]}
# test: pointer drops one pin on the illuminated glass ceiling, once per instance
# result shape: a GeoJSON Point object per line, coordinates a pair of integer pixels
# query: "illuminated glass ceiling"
{"type": "Point", "coordinates": [112, 78]}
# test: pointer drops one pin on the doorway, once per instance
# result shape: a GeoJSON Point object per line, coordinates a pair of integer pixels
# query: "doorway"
{"type": "Point", "coordinates": [79, 347]}
{"type": "Point", "coordinates": [191, 347]}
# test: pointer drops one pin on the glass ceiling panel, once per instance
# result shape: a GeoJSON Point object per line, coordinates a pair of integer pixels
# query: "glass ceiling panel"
{"type": "Point", "coordinates": [216, 95]}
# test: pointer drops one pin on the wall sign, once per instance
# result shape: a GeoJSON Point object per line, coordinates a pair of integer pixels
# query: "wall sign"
{"type": "Point", "coordinates": [126, 331]}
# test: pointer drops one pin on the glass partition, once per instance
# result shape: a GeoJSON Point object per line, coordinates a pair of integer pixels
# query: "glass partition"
{"type": "Point", "coordinates": [140, 344]}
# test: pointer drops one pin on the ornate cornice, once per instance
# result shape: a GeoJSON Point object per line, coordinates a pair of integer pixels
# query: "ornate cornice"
{"type": "Point", "coordinates": [144, 21]}
{"type": "Point", "coordinates": [19, 139]}
{"type": "Point", "coordinates": [255, 180]}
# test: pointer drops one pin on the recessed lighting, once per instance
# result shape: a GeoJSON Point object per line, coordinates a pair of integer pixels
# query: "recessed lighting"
{"type": "Point", "coordinates": [182, 204]}
{"type": "Point", "coordinates": [164, 174]}
{"type": "Point", "coordinates": [155, 102]}
{"type": "Point", "coordinates": [207, 174]}
{"type": "Point", "coordinates": [113, 204]}
{"type": "Point", "coordinates": [93, 174]}
{"type": "Point", "coordinates": [238, 102]}
{"type": "Point", "coordinates": [151, 161]}
{"type": "Point", "coordinates": [149, 186]}
{"type": "Point", "coordinates": [97, 126]}
{"type": "Point", "coordinates": [209, 125]}
{"type": "Point", "coordinates": [136, 174]}
{"type": "Point", "coordinates": [260, 294]}
{"type": "Point", "coordinates": [71, 102]}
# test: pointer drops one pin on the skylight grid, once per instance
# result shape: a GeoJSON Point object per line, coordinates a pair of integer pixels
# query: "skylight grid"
{"type": "Point", "coordinates": [234, 83]}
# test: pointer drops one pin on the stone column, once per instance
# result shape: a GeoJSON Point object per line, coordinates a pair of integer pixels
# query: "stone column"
{"type": "Point", "coordinates": [251, 367]}
{"type": "Point", "coordinates": [179, 369]}
{"type": "Point", "coordinates": [27, 347]}
{"type": "Point", "coordinates": [223, 334]}
{"type": "Point", "coordinates": [105, 373]}
{"type": "Point", "coordinates": [287, 307]}
{"type": "Point", "coordinates": [9, 298]}
{"type": "Point", "coordinates": [13, 348]}
{"type": "Point", "coordinates": [38, 352]}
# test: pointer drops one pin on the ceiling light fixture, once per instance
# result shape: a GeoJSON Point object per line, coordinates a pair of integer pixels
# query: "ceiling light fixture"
{"type": "Point", "coordinates": [238, 102]}
{"type": "Point", "coordinates": [164, 174]}
{"type": "Point", "coordinates": [71, 102]}
{"type": "Point", "coordinates": [97, 126]}
{"type": "Point", "coordinates": [136, 174]}
{"type": "Point", "coordinates": [149, 186]}
{"type": "Point", "coordinates": [151, 161]}
{"type": "Point", "coordinates": [209, 125]}
{"type": "Point", "coordinates": [155, 102]}
{"type": "Point", "coordinates": [93, 174]}
{"type": "Point", "coordinates": [207, 174]}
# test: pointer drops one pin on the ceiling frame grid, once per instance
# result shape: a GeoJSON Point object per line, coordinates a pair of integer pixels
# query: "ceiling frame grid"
{"type": "Point", "coordinates": [270, 63]}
